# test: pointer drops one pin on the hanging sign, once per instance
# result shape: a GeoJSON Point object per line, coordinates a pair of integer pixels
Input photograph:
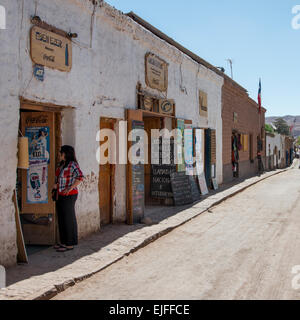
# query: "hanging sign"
{"type": "Point", "coordinates": [50, 49]}
{"type": "Point", "coordinates": [37, 183]}
{"type": "Point", "coordinates": [166, 107]}
{"type": "Point", "coordinates": [156, 72]}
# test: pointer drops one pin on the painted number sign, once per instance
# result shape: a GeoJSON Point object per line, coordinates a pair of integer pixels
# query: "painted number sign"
{"type": "Point", "coordinates": [50, 49]}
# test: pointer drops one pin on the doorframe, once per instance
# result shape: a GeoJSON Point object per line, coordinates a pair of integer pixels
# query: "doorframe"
{"type": "Point", "coordinates": [34, 106]}
{"type": "Point", "coordinates": [113, 121]}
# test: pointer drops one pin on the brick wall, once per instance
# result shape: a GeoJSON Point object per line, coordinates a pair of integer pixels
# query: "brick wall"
{"type": "Point", "coordinates": [235, 99]}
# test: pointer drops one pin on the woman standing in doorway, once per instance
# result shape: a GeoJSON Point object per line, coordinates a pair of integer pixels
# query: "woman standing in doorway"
{"type": "Point", "coordinates": [68, 178]}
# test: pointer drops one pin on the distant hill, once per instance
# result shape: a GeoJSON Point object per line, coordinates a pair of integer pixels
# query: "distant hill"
{"type": "Point", "coordinates": [290, 121]}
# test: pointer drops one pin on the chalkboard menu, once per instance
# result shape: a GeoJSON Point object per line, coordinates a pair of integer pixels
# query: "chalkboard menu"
{"type": "Point", "coordinates": [162, 151]}
{"type": "Point", "coordinates": [195, 189]}
{"type": "Point", "coordinates": [137, 181]}
{"type": "Point", "coordinates": [181, 187]}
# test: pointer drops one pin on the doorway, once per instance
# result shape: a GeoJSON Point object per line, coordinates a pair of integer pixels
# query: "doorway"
{"type": "Point", "coordinates": [34, 184]}
{"type": "Point", "coordinates": [235, 144]}
{"type": "Point", "coordinates": [106, 177]}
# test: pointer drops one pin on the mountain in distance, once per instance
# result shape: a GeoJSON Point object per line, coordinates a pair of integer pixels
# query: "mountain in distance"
{"type": "Point", "coordinates": [290, 121]}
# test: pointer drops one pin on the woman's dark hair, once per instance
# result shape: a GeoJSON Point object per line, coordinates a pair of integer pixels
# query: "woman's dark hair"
{"type": "Point", "coordinates": [69, 155]}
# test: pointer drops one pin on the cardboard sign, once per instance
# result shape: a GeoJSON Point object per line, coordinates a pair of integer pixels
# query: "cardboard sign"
{"type": "Point", "coordinates": [50, 49]}
{"type": "Point", "coordinates": [202, 184]}
{"type": "Point", "coordinates": [215, 184]}
{"type": "Point", "coordinates": [156, 72]}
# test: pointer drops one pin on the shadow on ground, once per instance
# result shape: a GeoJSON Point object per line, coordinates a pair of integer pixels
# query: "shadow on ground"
{"type": "Point", "coordinates": [42, 261]}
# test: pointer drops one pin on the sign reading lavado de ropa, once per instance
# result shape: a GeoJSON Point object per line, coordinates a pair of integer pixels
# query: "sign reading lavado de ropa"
{"type": "Point", "coordinates": [50, 49]}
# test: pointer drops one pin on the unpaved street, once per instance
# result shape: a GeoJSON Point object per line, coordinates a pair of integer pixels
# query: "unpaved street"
{"type": "Point", "coordinates": [245, 248]}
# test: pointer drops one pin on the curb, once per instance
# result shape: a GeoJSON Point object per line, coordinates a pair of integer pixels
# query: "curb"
{"type": "Point", "coordinates": [58, 288]}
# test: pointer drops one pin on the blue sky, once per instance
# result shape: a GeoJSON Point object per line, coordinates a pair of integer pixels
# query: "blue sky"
{"type": "Point", "coordinates": [256, 34]}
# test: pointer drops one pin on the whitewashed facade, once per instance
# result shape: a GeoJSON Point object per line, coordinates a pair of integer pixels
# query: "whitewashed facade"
{"type": "Point", "coordinates": [275, 150]}
{"type": "Point", "coordinates": [108, 62]}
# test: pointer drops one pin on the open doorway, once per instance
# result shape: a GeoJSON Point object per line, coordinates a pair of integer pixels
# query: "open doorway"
{"type": "Point", "coordinates": [42, 129]}
{"type": "Point", "coordinates": [235, 145]}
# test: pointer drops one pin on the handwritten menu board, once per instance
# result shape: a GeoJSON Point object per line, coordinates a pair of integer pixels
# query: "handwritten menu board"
{"type": "Point", "coordinates": [138, 180]}
{"type": "Point", "coordinates": [163, 152]}
{"type": "Point", "coordinates": [181, 187]}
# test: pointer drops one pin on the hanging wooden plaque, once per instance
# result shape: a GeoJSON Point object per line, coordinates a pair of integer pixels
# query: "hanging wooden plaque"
{"type": "Point", "coordinates": [50, 49]}
{"type": "Point", "coordinates": [156, 72]}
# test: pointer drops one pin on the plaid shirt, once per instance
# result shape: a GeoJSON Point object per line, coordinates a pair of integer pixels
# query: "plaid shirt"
{"type": "Point", "coordinates": [66, 177]}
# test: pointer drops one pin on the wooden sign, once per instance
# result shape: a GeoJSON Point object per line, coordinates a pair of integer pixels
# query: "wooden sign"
{"type": "Point", "coordinates": [22, 254]}
{"type": "Point", "coordinates": [50, 49]}
{"type": "Point", "coordinates": [203, 106]}
{"type": "Point", "coordinates": [156, 72]}
{"type": "Point", "coordinates": [166, 107]}
{"type": "Point", "coordinates": [181, 188]}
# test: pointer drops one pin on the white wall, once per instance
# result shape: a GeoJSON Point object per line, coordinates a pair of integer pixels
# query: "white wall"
{"type": "Point", "coordinates": [276, 141]}
{"type": "Point", "coordinates": [108, 61]}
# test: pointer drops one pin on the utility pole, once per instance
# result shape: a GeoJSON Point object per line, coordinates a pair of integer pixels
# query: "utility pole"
{"type": "Point", "coordinates": [231, 63]}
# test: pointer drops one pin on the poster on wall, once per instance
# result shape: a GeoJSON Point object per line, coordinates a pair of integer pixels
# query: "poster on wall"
{"type": "Point", "coordinates": [180, 144]}
{"type": "Point", "coordinates": [39, 143]}
{"type": "Point", "coordinates": [188, 149]}
{"type": "Point", "coordinates": [37, 182]}
{"type": "Point", "coordinates": [199, 149]}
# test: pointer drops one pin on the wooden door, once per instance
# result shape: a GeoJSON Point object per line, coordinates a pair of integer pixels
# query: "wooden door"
{"type": "Point", "coordinates": [106, 179]}
{"type": "Point", "coordinates": [37, 207]}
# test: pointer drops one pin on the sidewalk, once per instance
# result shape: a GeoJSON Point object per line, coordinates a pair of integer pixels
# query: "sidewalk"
{"type": "Point", "coordinates": [49, 272]}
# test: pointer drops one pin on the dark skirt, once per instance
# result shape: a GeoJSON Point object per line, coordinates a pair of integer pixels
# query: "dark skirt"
{"type": "Point", "coordinates": [67, 223]}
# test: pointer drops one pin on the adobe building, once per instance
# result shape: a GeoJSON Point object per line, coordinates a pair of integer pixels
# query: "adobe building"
{"type": "Point", "coordinates": [71, 68]}
{"type": "Point", "coordinates": [275, 151]}
{"type": "Point", "coordinates": [243, 132]}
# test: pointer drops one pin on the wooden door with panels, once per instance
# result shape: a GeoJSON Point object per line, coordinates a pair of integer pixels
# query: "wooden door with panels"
{"type": "Point", "coordinates": [37, 207]}
{"type": "Point", "coordinates": [106, 178]}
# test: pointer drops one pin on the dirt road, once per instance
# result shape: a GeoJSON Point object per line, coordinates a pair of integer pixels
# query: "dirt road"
{"type": "Point", "coordinates": [245, 248]}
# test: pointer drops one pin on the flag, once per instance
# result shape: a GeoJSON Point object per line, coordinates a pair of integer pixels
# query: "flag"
{"type": "Point", "coordinates": [259, 96]}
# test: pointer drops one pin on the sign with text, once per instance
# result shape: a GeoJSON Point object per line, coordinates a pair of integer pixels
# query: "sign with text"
{"type": "Point", "coordinates": [50, 49]}
{"type": "Point", "coordinates": [156, 72]}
